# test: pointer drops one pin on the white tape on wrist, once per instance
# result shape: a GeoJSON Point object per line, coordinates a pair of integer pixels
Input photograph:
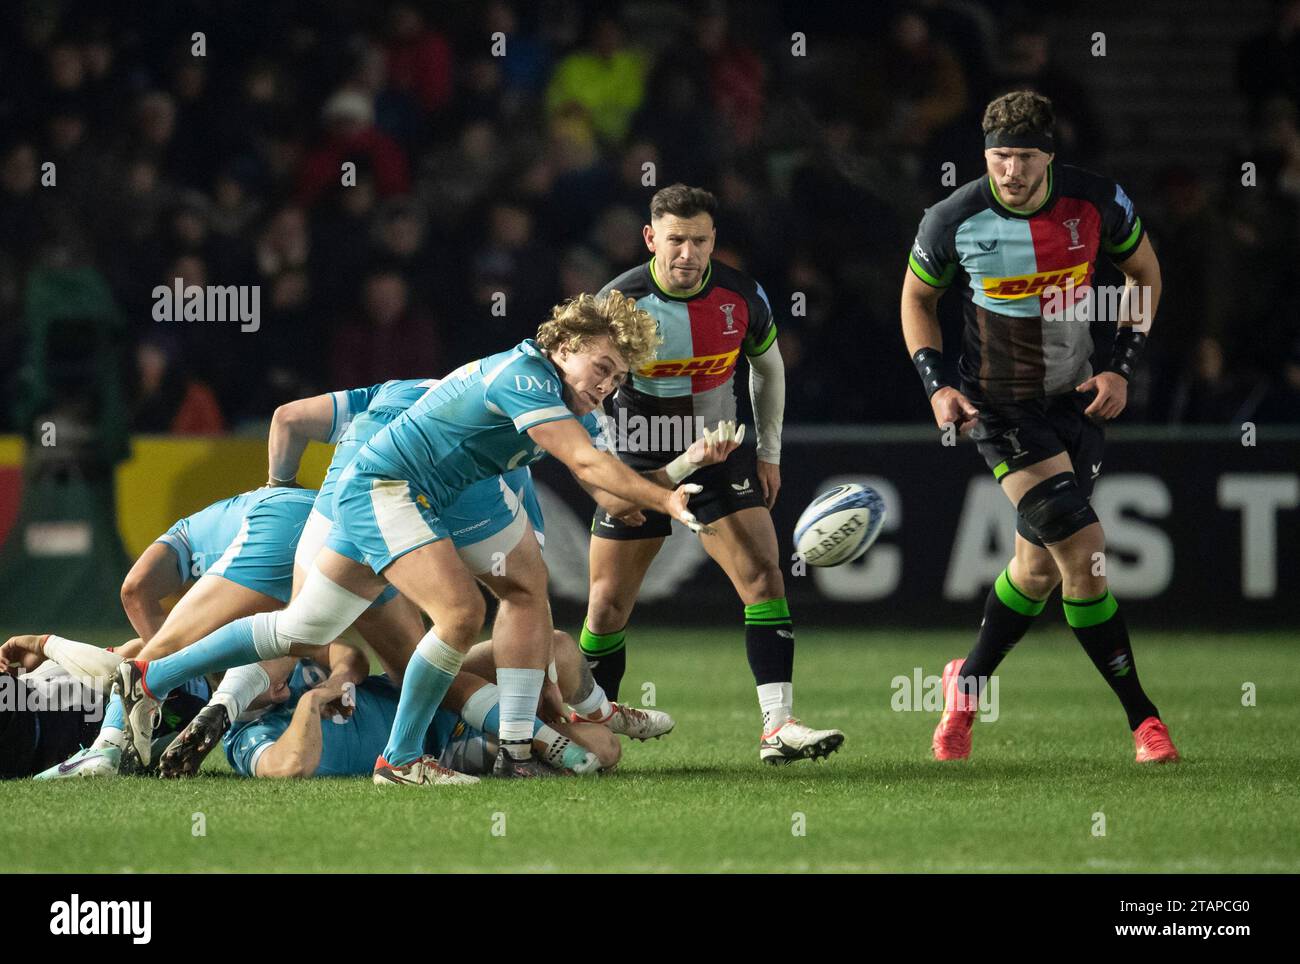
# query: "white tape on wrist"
{"type": "Point", "coordinates": [679, 469]}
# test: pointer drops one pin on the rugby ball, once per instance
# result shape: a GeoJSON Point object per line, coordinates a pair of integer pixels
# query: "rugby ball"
{"type": "Point", "coordinates": [839, 525]}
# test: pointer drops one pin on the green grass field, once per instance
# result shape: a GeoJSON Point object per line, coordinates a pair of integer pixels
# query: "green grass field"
{"type": "Point", "coordinates": [699, 800]}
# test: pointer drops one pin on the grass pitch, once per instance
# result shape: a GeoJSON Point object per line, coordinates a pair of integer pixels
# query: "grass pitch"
{"type": "Point", "coordinates": [1031, 798]}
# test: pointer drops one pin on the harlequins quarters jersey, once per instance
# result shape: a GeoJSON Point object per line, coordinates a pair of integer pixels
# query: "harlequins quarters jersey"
{"type": "Point", "coordinates": [1010, 350]}
{"type": "Point", "coordinates": [693, 374]}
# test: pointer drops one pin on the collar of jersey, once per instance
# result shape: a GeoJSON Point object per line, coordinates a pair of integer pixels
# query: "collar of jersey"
{"type": "Point", "coordinates": [695, 293]}
{"type": "Point", "coordinates": [529, 346]}
{"type": "Point", "coordinates": [1008, 212]}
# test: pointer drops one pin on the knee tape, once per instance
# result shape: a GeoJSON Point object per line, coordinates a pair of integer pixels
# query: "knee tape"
{"type": "Point", "coordinates": [1056, 509]}
{"type": "Point", "coordinates": [317, 615]}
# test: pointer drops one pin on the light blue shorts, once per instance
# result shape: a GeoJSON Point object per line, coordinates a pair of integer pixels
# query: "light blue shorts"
{"type": "Point", "coordinates": [261, 555]}
{"type": "Point", "coordinates": [378, 520]}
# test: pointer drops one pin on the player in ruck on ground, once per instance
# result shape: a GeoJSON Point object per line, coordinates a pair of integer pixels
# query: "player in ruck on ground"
{"type": "Point", "coordinates": [1027, 235]}
{"type": "Point", "coordinates": [707, 314]}
{"type": "Point", "coordinates": [230, 559]}
{"type": "Point", "coordinates": [388, 530]}
{"type": "Point", "coordinates": [294, 730]}
{"type": "Point", "coordinates": [52, 706]}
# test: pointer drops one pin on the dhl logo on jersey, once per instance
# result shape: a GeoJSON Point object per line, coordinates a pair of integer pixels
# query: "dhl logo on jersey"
{"type": "Point", "coordinates": [702, 365]}
{"type": "Point", "coordinates": [1022, 286]}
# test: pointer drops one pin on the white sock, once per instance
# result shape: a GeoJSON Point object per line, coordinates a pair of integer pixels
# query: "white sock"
{"type": "Point", "coordinates": [776, 700]}
{"type": "Point", "coordinates": [239, 687]}
{"type": "Point", "coordinates": [90, 664]}
{"type": "Point", "coordinates": [596, 706]}
{"type": "Point", "coordinates": [109, 736]}
{"type": "Point", "coordinates": [519, 690]}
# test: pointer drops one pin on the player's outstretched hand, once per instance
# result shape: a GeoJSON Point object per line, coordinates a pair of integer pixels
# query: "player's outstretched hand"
{"type": "Point", "coordinates": [714, 446]}
{"type": "Point", "coordinates": [1112, 394]}
{"type": "Point", "coordinates": [677, 508]}
{"type": "Point", "coordinates": [951, 407]}
{"type": "Point", "coordinates": [21, 653]}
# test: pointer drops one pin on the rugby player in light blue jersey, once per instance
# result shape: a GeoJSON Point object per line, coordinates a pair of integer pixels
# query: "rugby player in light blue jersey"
{"type": "Point", "coordinates": [231, 559]}
{"type": "Point", "coordinates": [487, 522]}
{"type": "Point", "coordinates": [389, 529]}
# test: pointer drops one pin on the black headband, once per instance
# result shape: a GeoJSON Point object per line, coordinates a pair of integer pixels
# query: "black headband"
{"type": "Point", "coordinates": [1043, 141]}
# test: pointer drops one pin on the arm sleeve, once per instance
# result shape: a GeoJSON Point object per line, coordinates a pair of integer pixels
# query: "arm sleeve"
{"type": "Point", "coordinates": [347, 406]}
{"type": "Point", "coordinates": [1121, 228]}
{"type": "Point", "coordinates": [528, 393]}
{"type": "Point", "coordinates": [767, 392]}
{"type": "Point", "coordinates": [933, 257]}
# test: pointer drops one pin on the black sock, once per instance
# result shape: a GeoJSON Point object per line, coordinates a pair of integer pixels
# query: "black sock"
{"type": "Point", "coordinates": [607, 656]}
{"type": "Point", "coordinates": [1008, 614]}
{"type": "Point", "coordinates": [1098, 625]}
{"type": "Point", "coordinates": [769, 641]}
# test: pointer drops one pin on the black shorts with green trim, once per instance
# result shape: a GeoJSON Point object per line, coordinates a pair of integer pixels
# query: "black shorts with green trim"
{"type": "Point", "coordinates": [1013, 435]}
{"type": "Point", "coordinates": [729, 487]}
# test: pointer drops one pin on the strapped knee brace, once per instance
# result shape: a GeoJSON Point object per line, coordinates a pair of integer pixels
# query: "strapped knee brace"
{"type": "Point", "coordinates": [319, 614]}
{"type": "Point", "coordinates": [1056, 509]}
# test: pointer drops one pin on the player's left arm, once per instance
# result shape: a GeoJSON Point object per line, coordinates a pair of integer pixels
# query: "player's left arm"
{"type": "Point", "coordinates": [293, 426]}
{"type": "Point", "coordinates": [1137, 311]}
{"type": "Point", "coordinates": [766, 391]}
{"type": "Point", "coordinates": [297, 751]}
{"type": "Point", "coordinates": [767, 394]}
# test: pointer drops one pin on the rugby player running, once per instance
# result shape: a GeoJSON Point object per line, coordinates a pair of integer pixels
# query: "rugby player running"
{"type": "Point", "coordinates": [1027, 235]}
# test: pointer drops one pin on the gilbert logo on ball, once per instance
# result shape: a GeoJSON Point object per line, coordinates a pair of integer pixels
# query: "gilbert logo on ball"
{"type": "Point", "coordinates": [839, 525]}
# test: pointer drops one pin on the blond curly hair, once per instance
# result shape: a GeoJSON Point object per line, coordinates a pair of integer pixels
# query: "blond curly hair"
{"type": "Point", "coordinates": [577, 321]}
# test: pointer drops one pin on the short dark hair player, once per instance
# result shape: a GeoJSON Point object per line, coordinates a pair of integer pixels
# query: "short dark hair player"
{"type": "Point", "coordinates": [1027, 236]}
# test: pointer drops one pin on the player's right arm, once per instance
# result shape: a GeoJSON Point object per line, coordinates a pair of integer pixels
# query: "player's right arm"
{"type": "Point", "coordinates": [293, 425]}
{"type": "Point", "coordinates": [569, 441]}
{"type": "Point", "coordinates": [924, 338]}
{"type": "Point", "coordinates": [154, 577]}
{"type": "Point", "coordinates": [710, 449]}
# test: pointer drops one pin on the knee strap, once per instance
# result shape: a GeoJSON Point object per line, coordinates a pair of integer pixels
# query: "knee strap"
{"type": "Point", "coordinates": [1056, 509]}
{"type": "Point", "coordinates": [317, 615]}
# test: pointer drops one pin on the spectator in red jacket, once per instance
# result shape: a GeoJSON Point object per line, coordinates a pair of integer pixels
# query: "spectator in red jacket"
{"type": "Point", "coordinates": [167, 399]}
{"type": "Point", "coordinates": [351, 135]}
{"type": "Point", "coordinates": [419, 59]}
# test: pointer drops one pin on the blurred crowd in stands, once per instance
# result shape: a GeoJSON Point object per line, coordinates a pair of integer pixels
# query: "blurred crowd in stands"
{"type": "Point", "coordinates": [490, 178]}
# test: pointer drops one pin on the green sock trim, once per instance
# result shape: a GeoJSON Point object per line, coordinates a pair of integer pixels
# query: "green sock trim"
{"type": "Point", "coordinates": [1082, 613]}
{"type": "Point", "coordinates": [1014, 598]}
{"type": "Point", "coordinates": [772, 612]}
{"type": "Point", "coordinates": [601, 644]}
